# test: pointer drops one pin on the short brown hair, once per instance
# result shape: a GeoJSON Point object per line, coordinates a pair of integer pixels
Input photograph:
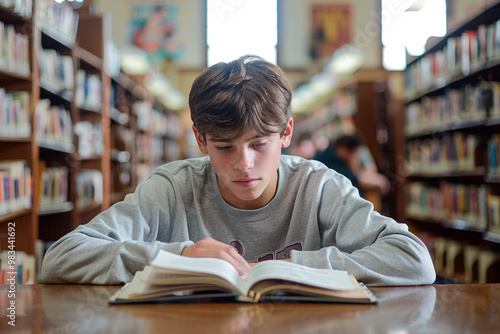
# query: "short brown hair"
{"type": "Point", "coordinates": [227, 99]}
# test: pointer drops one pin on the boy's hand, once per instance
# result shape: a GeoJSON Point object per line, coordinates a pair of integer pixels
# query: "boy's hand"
{"type": "Point", "coordinates": [209, 247]}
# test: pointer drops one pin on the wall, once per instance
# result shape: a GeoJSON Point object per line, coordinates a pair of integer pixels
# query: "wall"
{"type": "Point", "coordinates": [296, 22]}
{"type": "Point", "coordinates": [192, 23]}
{"type": "Point", "coordinates": [294, 36]}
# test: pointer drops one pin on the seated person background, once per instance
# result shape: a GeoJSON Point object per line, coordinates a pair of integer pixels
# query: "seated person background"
{"type": "Point", "coordinates": [244, 201]}
{"type": "Point", "coordinates": [348, 156]}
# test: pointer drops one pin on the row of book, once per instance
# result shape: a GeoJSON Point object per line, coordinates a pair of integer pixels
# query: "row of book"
{"type": "Point", "coordinates": [156, 121]}
{"type": "Point", "coordinates": [57, 19]}
{"type": "Point", "coordinates": [89, 188]}
{"type": "Point", "coordinates": [165, 124]}
{"type": "Point", "coordinates": [53, 184]}
{"type": "Point", "coordinates": [90, 141]}
{"type": "Point", "coordinates": [462, 262]}
{"type": "Point", "coordinates": [494, 155]}
{"type": "Point", "coordinates": [123, 138]}
{"type": "Point", "coordinates": [449, 152]}
{"type": "Point", "coordinates": [88, 93]}
{"type": "Point", "coordinates": [16, 186]}
{"type": "Point", "coordinates": [22, 7]}
{"type": "Point", "coordinates": [15, 115]}
{"type": "Point", "coordinates": [493, 204]}
{"type": "Point", "coordinates": [460, 56]}
{"type": "Point", "coordinates": [143, 147]}
{"type": "Point", "coordinates": [18, 265]}
{"type": "Point", "coordinates": [156, 149]}
{"type": "Point", "coordinates": [27, 267]}
{"type": "Point", "coordinates": [449, 201]}
{"type": "Point", "coordinates": [143, 110]}
{"type": "Point", "coordinates": [14, 50]}
{"type": "Point", "coordinates": [56, 70]}
{"type": "Point", "coordinates": [470, 102]}
{"type": "Point", "coordinates": [53, 123]}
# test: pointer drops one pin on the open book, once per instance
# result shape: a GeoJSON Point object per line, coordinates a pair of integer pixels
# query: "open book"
{"type": "Point", "coordinates": [174, 277]}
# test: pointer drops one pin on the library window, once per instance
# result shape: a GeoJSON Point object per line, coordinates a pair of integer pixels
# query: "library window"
{"type": "Point", "coordinates": [406, 26]}
{"type": "Point", "coordinates": [236, 27]}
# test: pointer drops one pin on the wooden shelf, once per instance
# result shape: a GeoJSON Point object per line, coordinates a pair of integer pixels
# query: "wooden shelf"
{"type": "Point", "coordinates": [7, 76]}
{"type": "Point", "coordinates": [455, 193]}
{"type": "Point", "coordinates": [455, 126]}
{"type": "Point", "coordinates": [10, 17]}
{"type": "Point", "coordinates": [440, 84]}
{"type": "Point", "coordinates": [56, 208]}
{"type": "Point", "coordinates": [54, 39]}
{"type": "Point", "coordinates": [16, 139]}
{"type": "Point", "coordinates": [11, 216]}
{"type": "Point", "coordinates": [55, 91]}
{"type": "Point", "coordinates": [87, 53]}
{"type": "Point", "coordinates": [89, 59]}
{"type": "Point", "coordinates": [56, 146]}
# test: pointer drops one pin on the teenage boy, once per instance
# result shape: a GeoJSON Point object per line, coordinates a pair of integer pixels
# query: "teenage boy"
{"type": "Point", "coordinates": [244, 202]}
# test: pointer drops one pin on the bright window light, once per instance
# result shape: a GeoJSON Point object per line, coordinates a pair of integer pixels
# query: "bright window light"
{"type": "Point", "coordinates": [237, 27]}
{"type": "Point", "coordinates": [406, 25]}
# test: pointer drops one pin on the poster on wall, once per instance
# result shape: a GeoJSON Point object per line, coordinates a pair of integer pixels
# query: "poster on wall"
{"type": "Point", "coordinates": [330, 28]}
{"type": "Point", "coordinates": [155, 28]}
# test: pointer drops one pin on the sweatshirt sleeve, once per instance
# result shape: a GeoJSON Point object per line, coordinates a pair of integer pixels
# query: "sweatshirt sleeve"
{"type": "Point", "coordinates": [117, 242]}
{"type": "Point", "coordinates": [376, 249]}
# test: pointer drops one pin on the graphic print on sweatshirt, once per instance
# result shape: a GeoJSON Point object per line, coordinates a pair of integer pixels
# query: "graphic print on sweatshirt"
{"type": "Point", "coordinates": [279, 254]}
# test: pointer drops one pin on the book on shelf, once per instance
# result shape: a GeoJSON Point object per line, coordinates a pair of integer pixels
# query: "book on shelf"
{"type": "Point", "coordinates": [460, 55]}
{"type": "Point", "coordinates": [52, 184]}
{"type": "Point", "coordinates": [15, 186]}
{"type": "Point", "coordinates": [451, 152]}
{"type": "Point", "coordinates": [89, 187]}
{"type": "Point", "coordinates": [21, 7]}
{"type": "Point", "coordinates": [53, 123]}
{"type": "Point", "coordinates": [172, 277]}
{"type": "Point", "coordinates": [88, 92]}
{"type": "Point", "coordinates": [493, 204]}
{"type": "Point", "coordinates": [449, 201]}
{"type": "Point", "coordinates": [90, 139]}
{"type": "Point", "coordinates": [22, 273]}
{"type": "Point", "coordinates": [494, 155]}
{"type": "Point", "coordinates": [56, 70]}
{"type": "Point", "coordinates": [14, 50]}
{"type": "Point", "coordinates": [57, 19]}
{"type": "Point", "coordinates": [15, 117]}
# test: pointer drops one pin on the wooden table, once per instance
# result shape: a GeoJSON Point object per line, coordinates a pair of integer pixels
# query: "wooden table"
{"type": "Point", "coordinates": [473, 308]}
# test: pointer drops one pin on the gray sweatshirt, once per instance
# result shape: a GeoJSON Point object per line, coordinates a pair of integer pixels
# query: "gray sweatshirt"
{"type": "Point", "coordinates": [316, 218]}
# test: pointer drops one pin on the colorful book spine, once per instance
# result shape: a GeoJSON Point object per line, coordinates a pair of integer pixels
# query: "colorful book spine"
{"type": "Point", "coordinates": [449, 201]}
{"type": "Point", "coordinates": [53, 123]}
{"type": "Point", "coordinates": [455, 152]}
{"type": "Point", "coordinates": [14, 50]}
{"type": "Point", "coordinates": [461, 55]}
{"type": "Point", "coordinates": [20, 265]}
{"type": "Point", "coordinates": [89, 187]}
{"type": "Point", "coordinates": [16, 186]}
{"type": "Point", "coordinates": [57, 19]}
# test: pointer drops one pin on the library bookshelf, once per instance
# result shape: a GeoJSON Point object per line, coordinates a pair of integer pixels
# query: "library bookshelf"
{"type": "Point", "coordinates": [72, 125]}
{"type": "Point", "coordinates": [452, 130]}
{"type": "Point", "coordinates": [359, 104]}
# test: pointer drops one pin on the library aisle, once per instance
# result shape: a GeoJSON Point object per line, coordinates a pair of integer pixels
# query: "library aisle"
{"type": "Point", "coordinates": [78, 131]}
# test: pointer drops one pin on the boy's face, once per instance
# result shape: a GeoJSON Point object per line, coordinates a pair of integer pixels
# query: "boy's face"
{"type": "Point", "coordinates": [247, 168]}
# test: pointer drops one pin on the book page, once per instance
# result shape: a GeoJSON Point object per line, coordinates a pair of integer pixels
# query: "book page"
{"type": "Point", "coordinates": [205, 265]}
{"type": "Point", "coordinates": [283, 270]}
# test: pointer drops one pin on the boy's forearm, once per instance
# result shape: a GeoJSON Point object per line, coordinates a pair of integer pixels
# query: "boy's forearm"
{"type": "Point", "coordinates": [85, 259]}
{"type": "Point", "coordinates": [390, 262]}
